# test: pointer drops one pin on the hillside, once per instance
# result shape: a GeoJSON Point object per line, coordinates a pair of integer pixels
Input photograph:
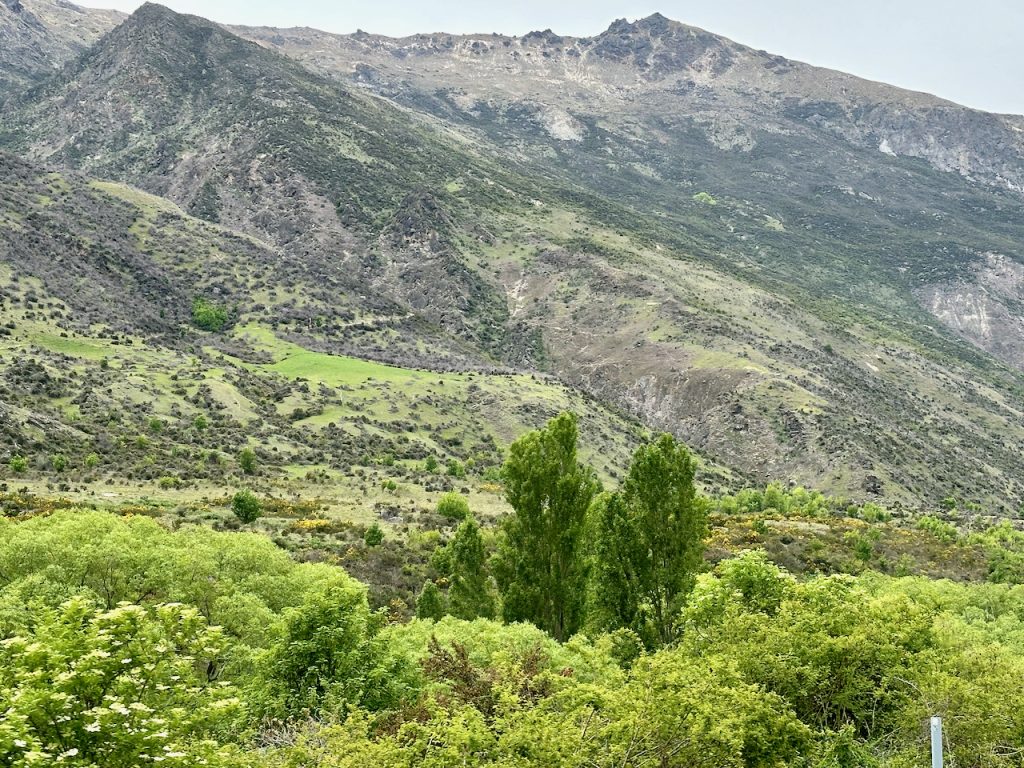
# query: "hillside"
{"type": "Point", "coordinates": [797, 305]}
{"type": "Point", "coordinates": [335, 378]}
{"type": "Point", "coordinates": [106, 372]}
{"type": "Point", "coordinates": [652, 108]}
{"type": "Point", "coordinates": [37, 37]}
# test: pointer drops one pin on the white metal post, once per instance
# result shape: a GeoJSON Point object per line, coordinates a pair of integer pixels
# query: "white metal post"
{"type": "Point", "coordinates": [936, 742]}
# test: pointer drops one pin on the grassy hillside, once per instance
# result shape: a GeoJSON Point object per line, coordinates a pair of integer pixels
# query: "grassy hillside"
{"type": "Point", "coordinates": [106, 363]}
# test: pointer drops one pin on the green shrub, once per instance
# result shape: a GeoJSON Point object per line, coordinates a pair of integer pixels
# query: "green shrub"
{"type": "Point", "coordinates": [940, 529]}
{"type": "Point", "coordinates": [431, 603]}
{"type": "Point", "coordinates": [246, 506]}
{"type": "Point", "coordinates": [18, 464]}
{"type": "Point", "coordinates": [209, 316]}
{"type": "Point", "coordinates": [453, 506]}
{"type": "Point", "coordinates": [247, 461]}
{"type": "Point", "coordinates": [374, 536]}
{"type": "Point", "coordinates": [116, 687]}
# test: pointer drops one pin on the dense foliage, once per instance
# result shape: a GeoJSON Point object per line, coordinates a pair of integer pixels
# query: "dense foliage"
{"type": "Point", "coordinates": [126, 643]}
{"type": "Point", "coordinates": [111, 657]}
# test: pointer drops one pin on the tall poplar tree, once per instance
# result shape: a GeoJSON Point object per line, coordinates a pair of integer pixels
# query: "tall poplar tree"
{"type": "Point", "coordinates": [649, 542]}
{"type": "Point", "coordinates": [470, 594]}
{"type": "Point", "coordinates": [541, 567]}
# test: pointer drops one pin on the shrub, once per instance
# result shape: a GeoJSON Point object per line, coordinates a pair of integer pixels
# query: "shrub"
{"type": "Point", "coordinates": [431, 603]}
{"type": "Point", "coordinates": [374, 536]}
{"type": "Point", "coordinates": [209, 316]}
{"type": "Point", "coordinates": [127, 683]}
{"type": "Point", "coordinates": [18, 464]}
{"type": "Point", "coordinates": [246, 506]}
{"type": "Point", "coordinates": [247, 461]}
{"type": "Point", "coordinates": [453, 506]}
{"type": "Point", "coordinates": [940, 529]}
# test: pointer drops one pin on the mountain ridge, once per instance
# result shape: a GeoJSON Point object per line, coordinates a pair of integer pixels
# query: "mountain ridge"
{"type": "Point", "coordinates": [762, 71]}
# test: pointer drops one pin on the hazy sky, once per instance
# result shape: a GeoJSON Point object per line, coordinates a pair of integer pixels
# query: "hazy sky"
{"type": "Point", "coordinates": [970, 52]}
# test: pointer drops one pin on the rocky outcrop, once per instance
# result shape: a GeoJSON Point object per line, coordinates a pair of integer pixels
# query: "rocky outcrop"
{"type": "Point", "coordinates": [988, 310]}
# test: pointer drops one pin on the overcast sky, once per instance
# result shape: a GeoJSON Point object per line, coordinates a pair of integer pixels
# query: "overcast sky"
{"type": "Point", "coordinates": [970, 52]}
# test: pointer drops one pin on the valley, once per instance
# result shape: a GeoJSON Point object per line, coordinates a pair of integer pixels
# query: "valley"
{"type": "Point", "coordinates": [640, 399]}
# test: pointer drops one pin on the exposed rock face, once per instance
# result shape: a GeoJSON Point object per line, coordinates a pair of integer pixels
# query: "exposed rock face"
{"type": "Point", "coordinates": [988, 310]}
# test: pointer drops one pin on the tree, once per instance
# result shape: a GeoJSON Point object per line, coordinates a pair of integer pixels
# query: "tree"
{"type": "Point", "coordinates": [246, 506]}
{"type": "Point", "coordinates": [247, 461]}
{"type": "Point", "coordinates": [540, 566]}
{"type": "Point", "coordinates": [470, 593]}
{"type": "Point", "coordinates": [431, 603]}
{"type": "Point", "coordinates": [328, 655]}
{"type": "Point", "coordinates": [453, 506]}
{"type": "Point", "coordinates": [208, 316]}
{"type": "Point", "coordinates": [87, 687]}
{"type": "Point", "coordinates": [649, 542]}
{"type": "Point", "coordinates": [374, 535]}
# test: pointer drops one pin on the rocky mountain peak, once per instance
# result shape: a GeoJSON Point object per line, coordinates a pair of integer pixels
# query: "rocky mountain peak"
{"type": "Point", "coordinates": [546, 37]}
{"type": "Point", "coordinates": [153, 14]}
{"type": "Point", "coordinates": [653, 24]}
{"type": "Point", "coordinates": [659, 47]}
{"type": "Point", "coordinates": [159, 48]}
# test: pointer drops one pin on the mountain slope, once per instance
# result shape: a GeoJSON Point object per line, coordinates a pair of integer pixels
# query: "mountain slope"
{"type": "Point", "coordinates": [651, 109]}
{"type": "Point", "coordinates": [182, 109]}
{"type": "Point", "coordinates": [38, 36]}
{"type": "Point", "coordinates": [732, 92]}
{"type": "Point", "coordinates": [105, 378]}
{"type": "Point", "coordinates": [771, 304]}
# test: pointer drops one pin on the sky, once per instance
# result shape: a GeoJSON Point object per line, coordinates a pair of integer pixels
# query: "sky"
{"type": "Point", "coordinates": [969, 52]}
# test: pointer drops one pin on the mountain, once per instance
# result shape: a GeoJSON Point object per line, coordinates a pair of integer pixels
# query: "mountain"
{"type": "Point", "coordinates": [704, 236]}
{"type": "Point", "coordinates": [38, 36]}
{"type": "Point", "coordinates": [103, 370]}
{"type": "Point", "coordinates": [649, 107]}
{"type": "Point", "coordinates": [654, 69]}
